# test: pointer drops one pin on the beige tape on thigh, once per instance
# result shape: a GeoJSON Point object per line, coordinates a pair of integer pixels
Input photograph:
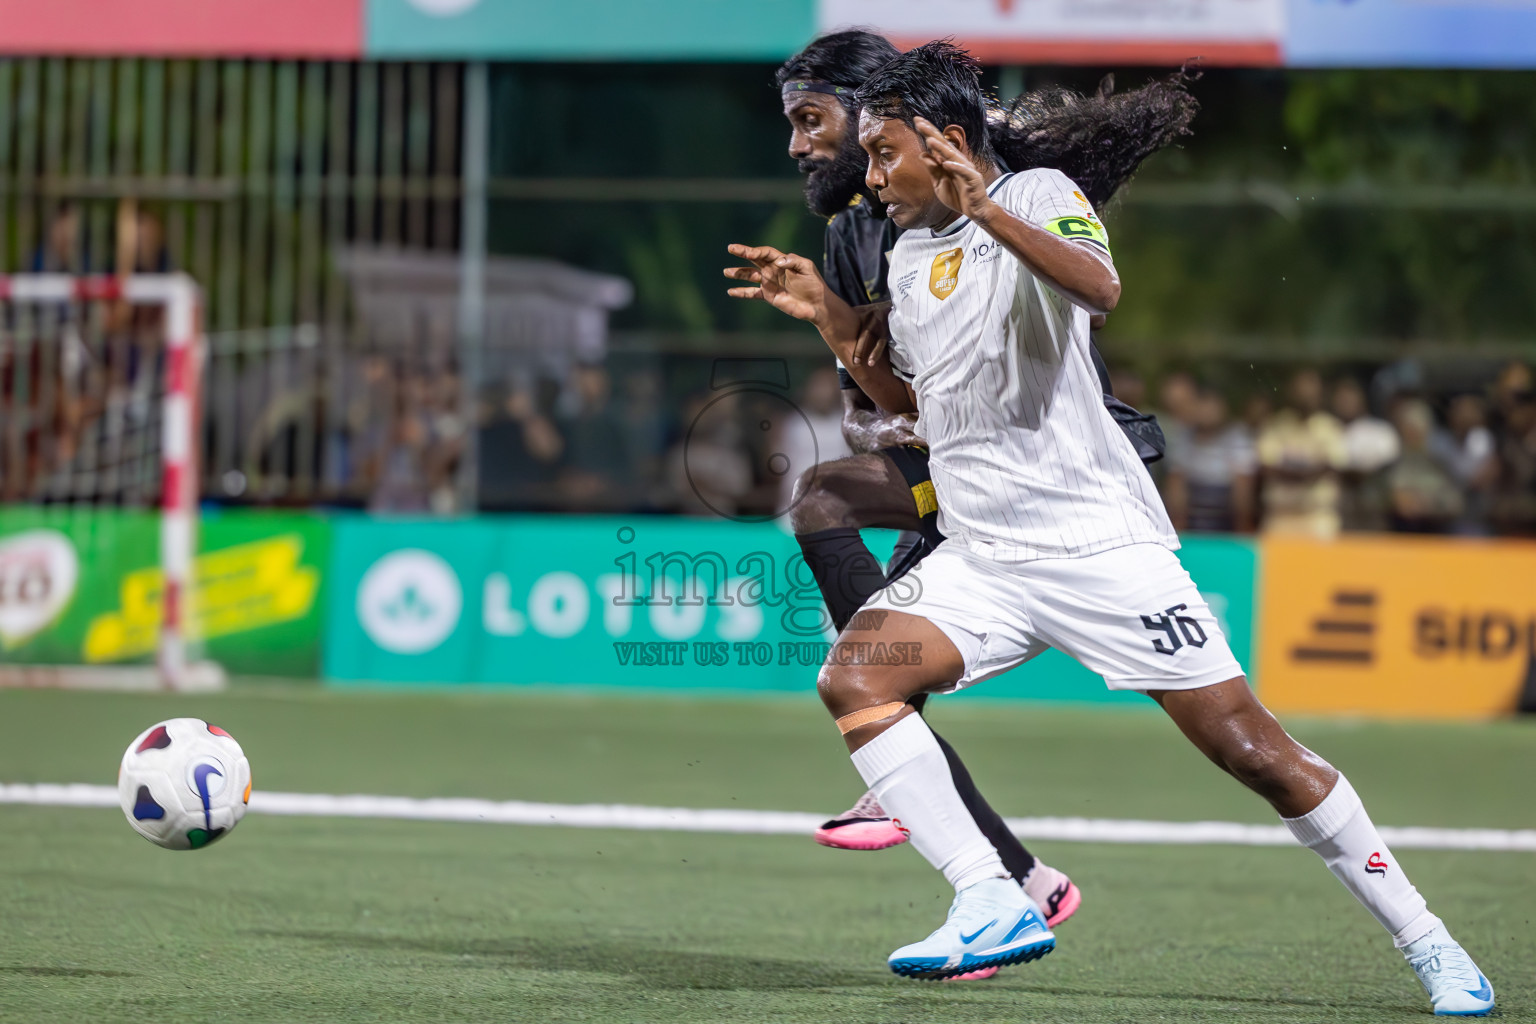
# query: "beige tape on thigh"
{"type": "Point", "coordinates": [848, 723]}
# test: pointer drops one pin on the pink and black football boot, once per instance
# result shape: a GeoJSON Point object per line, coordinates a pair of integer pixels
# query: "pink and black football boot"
{"type": "Point", "coordinates": [1054, 892]}
{"type": "Point", "coordinates": [864, 826]}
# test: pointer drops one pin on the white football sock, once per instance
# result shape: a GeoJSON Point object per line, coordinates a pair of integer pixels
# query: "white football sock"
{"type": "Point", "coordinates": [908, 772]}
{"type": "Point", "coordinates": [1339, 831]}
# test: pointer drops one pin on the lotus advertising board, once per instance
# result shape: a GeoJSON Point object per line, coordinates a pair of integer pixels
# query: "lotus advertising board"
{"type": "Point", "coordinates": [658, 603]}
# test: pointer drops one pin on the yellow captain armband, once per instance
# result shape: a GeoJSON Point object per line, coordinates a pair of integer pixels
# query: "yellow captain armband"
{"type": "Point", "coordinates": [1086, 228]}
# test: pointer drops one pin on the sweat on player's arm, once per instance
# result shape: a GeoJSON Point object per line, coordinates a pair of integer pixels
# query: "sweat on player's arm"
{"type": "Point", "coordinates": [1072, 269]}
{"type": "Point", "coordinates": [793, 285]}
{"type": "Point", "coordinates": [869, 428]}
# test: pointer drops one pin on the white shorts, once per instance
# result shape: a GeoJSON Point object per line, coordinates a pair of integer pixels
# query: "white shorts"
{"type": "Point", "coordinates": [1131, 614]}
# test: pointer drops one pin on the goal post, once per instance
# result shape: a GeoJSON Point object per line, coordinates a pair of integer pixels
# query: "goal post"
{"type": "Point", "coordinates": [177, 392]}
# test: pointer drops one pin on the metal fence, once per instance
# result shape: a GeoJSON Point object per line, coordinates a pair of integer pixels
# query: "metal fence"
{"type": "Point", "coordinates": [251, 176]}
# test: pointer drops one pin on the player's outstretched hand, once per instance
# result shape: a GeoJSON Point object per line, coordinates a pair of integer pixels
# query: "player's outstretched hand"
{"type": "Point", "coordinates": [958, 183]}
{"type": "Point", "coordinates": [790, 283]}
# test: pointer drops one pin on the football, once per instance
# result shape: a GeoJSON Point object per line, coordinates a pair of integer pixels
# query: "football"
{"type": "Point", "coordinates": [184, 783]}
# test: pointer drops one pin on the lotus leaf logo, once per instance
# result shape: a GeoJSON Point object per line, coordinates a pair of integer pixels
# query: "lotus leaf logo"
{"type": "Point", "coordinates": [408, 602]}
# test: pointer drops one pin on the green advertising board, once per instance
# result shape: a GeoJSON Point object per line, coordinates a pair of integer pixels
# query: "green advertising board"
{"type": "Point", "coordinates": [769, 30]}
{"type": "Point", "coordinates": [83, 586]}
{"type": "Point", "coordinates": [635, 602]}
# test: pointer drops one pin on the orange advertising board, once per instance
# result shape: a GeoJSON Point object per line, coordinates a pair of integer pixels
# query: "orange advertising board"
{"type": "Point", "coordinates": [1402, 626]}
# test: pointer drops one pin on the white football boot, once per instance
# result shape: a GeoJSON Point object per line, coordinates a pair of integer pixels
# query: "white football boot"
{"type": "Point", "coordinates": [991, 924]}
{"type": "Point", "coordinates": [1456, 987]}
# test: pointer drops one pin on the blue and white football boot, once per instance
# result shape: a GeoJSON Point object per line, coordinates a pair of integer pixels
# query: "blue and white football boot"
{"type": "Point", "coordinates": [1455, 986]}
{"type": "Point", "coordinates": [991, 924]}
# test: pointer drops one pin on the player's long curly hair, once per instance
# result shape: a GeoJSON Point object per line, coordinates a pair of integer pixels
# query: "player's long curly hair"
{"type": "Point", "coordinates": [1100, 140]}
{"type": "Point", "coordinates": [844, 58]}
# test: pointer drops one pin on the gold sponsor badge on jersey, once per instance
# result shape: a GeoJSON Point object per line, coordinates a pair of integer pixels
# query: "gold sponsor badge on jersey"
{"type": "Point", "coordinates": [945, 273]}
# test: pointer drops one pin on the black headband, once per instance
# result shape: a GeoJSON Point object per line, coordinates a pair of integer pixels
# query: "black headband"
{"type": "Point", "coordinates": [800, 85]}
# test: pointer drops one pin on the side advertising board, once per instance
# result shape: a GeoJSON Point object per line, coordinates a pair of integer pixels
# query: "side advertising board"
{"type": "Point", "coordinates": [654, 603]}
{"type": "Point", "coordinates": [1399, 626]}
{"type": "Point", "coordinates": [83, 587]}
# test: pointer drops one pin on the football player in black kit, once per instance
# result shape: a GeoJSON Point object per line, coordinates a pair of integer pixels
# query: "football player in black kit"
{"type": "Point", "coordinates": [1098, 141]}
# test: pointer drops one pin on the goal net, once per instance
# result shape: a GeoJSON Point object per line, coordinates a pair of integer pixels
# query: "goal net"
{"type": "Point", "coordinates": [99, 396]}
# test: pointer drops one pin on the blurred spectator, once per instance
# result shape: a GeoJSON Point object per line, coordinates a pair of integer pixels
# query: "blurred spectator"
{"type": "Point", "coordinates": [1301, 450]}
{"type": "Point", "coordinates": [400, 483]}
{"type": "Point", "coordinates": [1422, 496]}
{"type": "Point", "coordinates": [821, 407]}
{"type": "Point", "coordinates": [1175, 410]}
{"type": "Point", "coordinates": [1177, 395]}
{"type": "Point", "coordinates": [1129, 388]}
{"type": "Point", "coordinates": [1396, 379]}
{"type": "Point", "coordinates": [415, 471]}
{"type": "Point", "coordinates": [64, 248]}
{"type": "Point", "coordinates": [1256, 412]}
{"type": "Point", "coordinates": [1467, 451]}
{"type": "Point", "coordinates": [1176, 398]}
{"type": "Point", "coordinates": [596, 471]}
{"type": "Point", "coordinates": [1210, 482]}
{"type": "Point", "coordinates": [1514, 504]}
{"type": "Point", "coordinates": [643, 418]}
{"type": "Point", "coordinates": [519, 451]}
{"type": "Point", "coordinates": [1370, 445]}
{"type": "Point", "coordinates": [1513, 385]}
{"type": "Point", "coordinates": [709, 469]}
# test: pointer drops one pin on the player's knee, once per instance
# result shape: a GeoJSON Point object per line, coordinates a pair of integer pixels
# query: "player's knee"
{"type": "Point", "coordinates": [1259, 759]}
{"type": "Point", "coordinates": [845, 689]}
{"type": "Point", "coordinates": [816, 505]}
{"type": "Point", "coordinates": [1252, 764]}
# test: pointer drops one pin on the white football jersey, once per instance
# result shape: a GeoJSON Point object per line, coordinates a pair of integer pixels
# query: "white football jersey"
{"type": "Point", "coordinates": [1026, 461]}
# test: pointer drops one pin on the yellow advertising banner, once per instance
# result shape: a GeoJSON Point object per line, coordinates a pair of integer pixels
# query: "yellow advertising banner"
{"type": "Point", "coordinates": [1397, 626]}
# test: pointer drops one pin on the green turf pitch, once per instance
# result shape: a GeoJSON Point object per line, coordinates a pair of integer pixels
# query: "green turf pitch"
{"type": "Point", "coordinates": [299, 919]}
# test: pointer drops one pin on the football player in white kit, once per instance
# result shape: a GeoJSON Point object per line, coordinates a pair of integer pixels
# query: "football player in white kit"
{"type": "Point", "coordinates": [1056, 535]}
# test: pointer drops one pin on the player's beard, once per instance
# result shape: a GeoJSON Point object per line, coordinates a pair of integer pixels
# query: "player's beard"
{"type": "Point", "coordinates": [830, 185]}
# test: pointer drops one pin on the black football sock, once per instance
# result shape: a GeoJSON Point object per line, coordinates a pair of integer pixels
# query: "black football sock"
{"type": "Point", "coordinates": [1019, 861]}
{"type": "Point", "coordinates": [844, 569]}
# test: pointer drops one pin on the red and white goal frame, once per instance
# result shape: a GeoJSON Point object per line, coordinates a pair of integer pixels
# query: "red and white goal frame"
{"type": "Point", "coordinates": [178, 295]}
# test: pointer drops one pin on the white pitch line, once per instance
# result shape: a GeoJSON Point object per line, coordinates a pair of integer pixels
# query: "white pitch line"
{"type": "Point", "coordinates": [687, 819]}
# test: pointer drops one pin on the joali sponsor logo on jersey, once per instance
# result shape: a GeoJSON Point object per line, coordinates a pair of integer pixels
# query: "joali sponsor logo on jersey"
{"type": "Point", "coordinates": [1428, 627]}
{"type": "Point", "coordinates": [986, 251]}
{"type": "Point", "coordinates": [38, 573]}
{"type": "Point", "coordinates": [944, 275]}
